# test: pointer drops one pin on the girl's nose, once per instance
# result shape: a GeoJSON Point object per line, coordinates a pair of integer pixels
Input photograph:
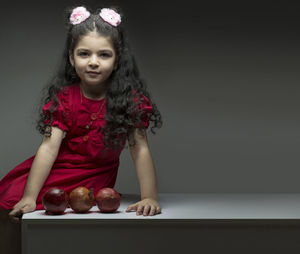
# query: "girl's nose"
{"type": "Point", "coordinates": [93, 61]}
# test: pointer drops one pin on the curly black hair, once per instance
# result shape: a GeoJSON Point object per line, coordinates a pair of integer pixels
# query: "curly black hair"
{"type": "Point", "coordinates": [122, 115]}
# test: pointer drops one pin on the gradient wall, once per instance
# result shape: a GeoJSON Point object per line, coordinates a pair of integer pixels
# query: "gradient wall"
{"type": "Point", "coordinates": [224, 76]}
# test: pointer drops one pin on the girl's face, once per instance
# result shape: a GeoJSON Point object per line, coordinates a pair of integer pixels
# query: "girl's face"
{"type": "Point", "coordinates": [93, 59]}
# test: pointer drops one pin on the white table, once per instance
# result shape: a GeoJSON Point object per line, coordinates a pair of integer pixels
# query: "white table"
{"type": "Point", "coordinates": [211, 223]}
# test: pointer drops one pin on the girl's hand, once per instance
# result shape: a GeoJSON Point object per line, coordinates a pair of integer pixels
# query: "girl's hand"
{"type": "Point", "coordinates": [147, 206]}
{"type": "Point", "coordinates": [25, 205]}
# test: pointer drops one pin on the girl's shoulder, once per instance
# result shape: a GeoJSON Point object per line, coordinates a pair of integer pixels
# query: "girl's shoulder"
{"type": "Point", "coordinates": [139, 97]}
{"type": "Point", "coordinates": [61, 113]}
{"type": "Point", "coordinates": [66, 98]}
{"type": "Point", "coordinates": [67, 94]}
{"type": "Point", "coordinates": [68, 90]}
{"type": "Point", "coordinates": [143, 102]}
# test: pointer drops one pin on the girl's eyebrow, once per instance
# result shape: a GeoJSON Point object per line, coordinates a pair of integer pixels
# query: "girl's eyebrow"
{"type": "Point", "coordinates": [84, 49]}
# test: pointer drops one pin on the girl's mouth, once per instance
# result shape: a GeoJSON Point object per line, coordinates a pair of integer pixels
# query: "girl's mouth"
{"type": "Point", "coordinates": [91, 73]}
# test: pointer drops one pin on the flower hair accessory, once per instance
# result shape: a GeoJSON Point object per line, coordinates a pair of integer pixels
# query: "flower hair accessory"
{"type": "Point", "coordinates": [79, 15]}
{"type": "Point", "coordinates": [110, 16]}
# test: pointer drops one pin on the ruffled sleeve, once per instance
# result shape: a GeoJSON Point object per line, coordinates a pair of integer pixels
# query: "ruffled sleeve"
{"type": "Point", "coordinates": [61, 116]}
{"type": "Point", "coordinates": [147, 109]}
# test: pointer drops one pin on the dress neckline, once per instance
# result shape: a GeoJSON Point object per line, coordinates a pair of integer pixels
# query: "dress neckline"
{"type": "Point", "coordinates": [88, 99]}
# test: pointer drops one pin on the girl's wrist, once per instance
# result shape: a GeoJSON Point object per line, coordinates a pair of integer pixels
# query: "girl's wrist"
{"type": "Point", "coordinates": [154, 198]}
{"type": "Point", "coordinates": [30, 198]}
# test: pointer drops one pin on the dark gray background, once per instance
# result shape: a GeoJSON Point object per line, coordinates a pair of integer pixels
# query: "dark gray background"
{"type": "Point", "coordinates": [224, 76]}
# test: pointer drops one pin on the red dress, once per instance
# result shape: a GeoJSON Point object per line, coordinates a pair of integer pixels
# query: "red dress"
{"type": "Point", "coordinates": [81, 160]}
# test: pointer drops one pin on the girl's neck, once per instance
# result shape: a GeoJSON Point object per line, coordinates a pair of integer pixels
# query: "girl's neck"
{"type": "Point", "coordinates": [94, 93]}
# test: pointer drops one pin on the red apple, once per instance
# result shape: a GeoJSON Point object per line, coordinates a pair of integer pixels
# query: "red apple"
{"type": "Point", "coordinates": [55, 201]}
{"type": "Point", "coordinates": [108, 200]}
{"type": "Point", "coordinates": [81, 199]}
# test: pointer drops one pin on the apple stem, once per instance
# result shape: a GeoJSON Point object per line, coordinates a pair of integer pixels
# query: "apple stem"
{"type": "Point", "coordinates": [91, 193]}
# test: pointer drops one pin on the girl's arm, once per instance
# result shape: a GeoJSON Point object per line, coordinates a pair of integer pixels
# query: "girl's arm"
{"type": "Point", "coordinates": [43, 162]}
{"type": "Point", "coordinates": [145, 169]}
{"type": "Point", "coordinates": [40, 169]}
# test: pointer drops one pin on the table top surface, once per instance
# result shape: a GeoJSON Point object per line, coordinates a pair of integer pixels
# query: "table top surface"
{"type": "Point", "coordinates": [183, 206]}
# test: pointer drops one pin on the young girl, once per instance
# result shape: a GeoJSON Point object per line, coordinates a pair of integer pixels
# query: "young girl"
{"type": "Point", "coordinates": [94, 104]}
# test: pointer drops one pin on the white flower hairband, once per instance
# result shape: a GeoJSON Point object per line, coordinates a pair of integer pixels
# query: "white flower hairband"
{"type": "Point", "coordinates": [80, 14]}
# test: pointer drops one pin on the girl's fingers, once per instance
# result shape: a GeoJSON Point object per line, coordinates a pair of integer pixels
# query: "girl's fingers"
{"type": "Point", "coordinates": [13, 212]}
{"type": "Point", "coordinates": [15, 215]}
{"type": "Point", "coordinates": [131, 208]}
{"type": "Point", "coordinates": [146, 210]}
{"type": "Point", "coordinates": [139, 210]}
{"type": "Point", "coordinates": [153, 209]}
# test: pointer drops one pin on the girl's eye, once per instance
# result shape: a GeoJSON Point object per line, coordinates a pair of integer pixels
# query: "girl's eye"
{"type": "Point", "coordinates": [83, 54]}
{"type": "Point", "coordinates": [86, 54]}
{"type": "Point", "coordinates": [105, 55]}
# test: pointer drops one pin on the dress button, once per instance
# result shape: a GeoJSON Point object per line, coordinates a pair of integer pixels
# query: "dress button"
{"type": "Point", "coordinates": [94, 116]}
{"type": "Point", "coordinates": [85, 138]}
